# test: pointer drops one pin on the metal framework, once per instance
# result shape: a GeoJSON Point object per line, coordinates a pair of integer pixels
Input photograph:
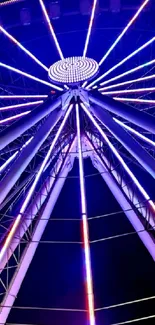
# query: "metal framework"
{"type": "Point", "coordinates": [38, 152]}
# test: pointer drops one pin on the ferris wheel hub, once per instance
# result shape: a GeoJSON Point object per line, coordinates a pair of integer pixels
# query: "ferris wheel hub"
{"type": "Point", "coordinates": [73, 70]}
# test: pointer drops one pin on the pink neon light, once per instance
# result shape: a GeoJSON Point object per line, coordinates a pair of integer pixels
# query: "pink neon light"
{"type": "Point", "coordinates": [135, 100]}
{"type": "Point", "coordinates": [32, 188]}
{"type": "Point", "coordinates": [14, 117]}
{"type": "Point", "coordinates": [22, 96]}
{"type": "Point", "coordinates": [144, 65]}
{"type": "Point", "coordinates": [51, 28]}
{"type": "Point", "coordinates": [129, 172]}
{"type": "Point", "coordinates": [90, 295]}
{"type": "Point", "coordinates": [29, 76]}
{"type": "Point", "coordinates": [127, 82]}
{"type": "Point", "coordinates": [23, 48]}
{"type": "Point", "coordinates": [4, 108]}
{"type": "Point", "coordinates": [90, 27]}
{"type": "Point", "coordinates": [124, 31]}
{"type": "Point", "coordinates": [128, 91]}
{"type": "Point", "coordinates": [122, 62]}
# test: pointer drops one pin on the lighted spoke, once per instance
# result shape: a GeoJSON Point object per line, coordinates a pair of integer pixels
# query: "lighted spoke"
{"type": "Point", "coordinates": [22, 96]}
{"type": "Point", "coordinates": [29, 76]}
{"type": "Point", "coordinates": [13, 39]}
{"type": "Point", "coordinates": [4, 108]}
{"type": "Point", "coordinates": [128, 91]}
{"type": "Point", "coordinates": [135, 100]}
{"type": "Point", "coordinates": [90, 27]}
{"type": "Point", "coordinates": [9, 119]}
{"type": "Point", "coordinates": [122, 62]}
{"type": "Point", "coordinates": [128, 82]}
{"type": "Point", "coordinates": [51, 28]}
{"type": "Point", "coordinates": [124, 31]}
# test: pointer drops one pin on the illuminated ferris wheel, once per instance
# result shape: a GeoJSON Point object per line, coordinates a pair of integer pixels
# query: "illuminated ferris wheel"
{"type": "Point", "coordinates": [86, 113]}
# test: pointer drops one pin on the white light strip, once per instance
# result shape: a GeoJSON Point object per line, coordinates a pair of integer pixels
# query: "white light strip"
{"type": "Point", "coordinates": [29, 76]}
{"type": "Point", "coordinates": [33, 186]}
{"type": "Point", "coordinates": [5, 108]}
{"type": "Point", "coordinates": [124, 31]}
{"type": "Point", "coordinates": [135, 100]}
{"type": "Point", "coordinates": [51, 28]}
{"type": "Point", "coordinates": [144, 65]}
{"type": "Point", "coordinates": [14, 117]}
{"type": "Point", "coordinates": [22, 96]}
{"type": "Point", "coordinates": [90, 27]}
{"type": "Point", "coordinates": [128, 91]}
{"type": "Point", "coordinates": [116, 153]}
{"type": "Point", "coordinates": [13, 39]}
{"type": "Point", "coordinates": [122, 62]}
{"type": "Point", "coordinates": [127, 82]}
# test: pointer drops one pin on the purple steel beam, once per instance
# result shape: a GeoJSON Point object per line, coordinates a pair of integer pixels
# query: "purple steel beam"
{"type": "Point", "coordinates": [111, 182]}
{"type": "Point", "coordinates": [131, 114]}
{"type": "Point", "coordinates": [90, 295]}
{"type": "Point", "coordinates": [18, 128]}
{"type": "Point", "coordinates": [28, 153]}
{"type": "Point", "coordinates": [124, 31]}
{"type": "Point", "coordinates": [30, 250]}
{"type": "Point", "coordinates": [90, 27]}
{"type": "Point", "coordinates": [120, 159]}
{"type": "Point", "coordinates": [33, 186]}
{"type": "Point", "coordinates": [133, 147]}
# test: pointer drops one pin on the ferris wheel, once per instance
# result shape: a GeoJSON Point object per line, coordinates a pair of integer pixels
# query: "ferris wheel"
{"type": "Point", "coordinates": [87, 111]}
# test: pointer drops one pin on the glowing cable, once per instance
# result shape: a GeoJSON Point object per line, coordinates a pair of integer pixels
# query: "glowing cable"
{"type": "Point", "coordinates": [128, 82]}
{"type": "Point", "coordinates": [90, 27]}
{"type": "Point", "coordinates": [51, 28]}
{"type": "Point", "coordinates": [13, 39]}
{"type": "Point", "coordinates": [144, 65]}
{"type": "Point", "coordinates": [124, 31]}
{"type": "Point", "coordinates": [22, 96]}
{"type": "Point", "coordinates": [29, 76]}
{"type": "Point", "coordinates": [122, 62]}
{"type": "Point", "coordinates": [33, 186]}
{"type": "Point", "coordinates": [135, 320]}
{"type": "Point", "coordinates": [5, 108]}
{"type": "Point", "coordinates": [128, 91]}
{"type": "Point", "coordinates": [135, 100]}
{"type": "Point", "coordinates": [116, 153]}
{"type": "Point", "coordinates": [90, 295]}
{"type": "Point", "coordinates": [14, 117]}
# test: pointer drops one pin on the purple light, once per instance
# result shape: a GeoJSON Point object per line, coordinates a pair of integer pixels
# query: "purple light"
{"type": "Point", "coordinates": [144, 65]}
{"type": "Point", "coordinates": [128, 91]}
{"type": "Point", "coordinates": [29, 76]}
{"type": "Point", "coordinates": [22, 96]}
{"type": "Point", "coordinates": [122, 62]}
{"type": "Point", "coordinates": [124, 31]}
{"type": "Point", "coordinates": [90, 27]}
{"type": "Point", "coordinates": [4, 108]}
{"type": "Point", "coordinates": [127, 169]}
{"type": "Point", "coordinates": [127, 82]}
{"type": "Point", "coordinates": [135, 100]}
{"type": "Point", "coordinates": [32, 188]}
{"type": "Point", "coordinates": [51, 28]}
{"type": "Point", "coordinates": [8, 119]}
{"type": "Point", "coordinates": [90, 295]}
{"type": "Point", "coordinates": [22, 48]}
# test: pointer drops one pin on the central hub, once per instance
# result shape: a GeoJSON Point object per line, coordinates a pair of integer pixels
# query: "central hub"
{"type": "Point", "coordinates": [73, 71]}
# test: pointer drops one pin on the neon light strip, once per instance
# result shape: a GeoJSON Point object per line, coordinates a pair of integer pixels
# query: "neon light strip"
{"type": "Point", "coordinates": [135, 100]}
{"type": "Point", "coordinates": [2, 167]}
{"type": "Point", "coordinates": [4, 108]}
{"type": "Point", "coordinates": [90, 27]}
{"type": "Point", "coordinates": [122, 62]}
{"type": "Point", "coordinates": [139, 135]}
{"type": "Point", "coordinates": [124, 31]}
{"type": "Point", "coordinates": [22, 96]}
{"type": "Point", "coordinates": [32, 188]}
{"type": "Point", "coordinates": [128, 91]}
{"type": "Point", "coordinates": [129, 172]}
{"type": "Point", "coordinates": [8, 119]}
{"type": "Point", "coordinates": [9, 2]}
{"type": "Point", "coordinates": [90, 295]}
{"type": "Point", "coordinates": [51, 28]}
{"type": "Point", "coordinates": [144, 65]}
{"type": "Point", "coordinates": [127, 82]}
{"type": "Point", "coordinates": [29, 76]}
{"type": "Point", "coordinates": [13, 39]}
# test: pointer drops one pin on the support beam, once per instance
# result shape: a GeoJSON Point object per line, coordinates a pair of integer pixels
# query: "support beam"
{"type": "Point", "coordinates": [19, 127]}
{"type": "Point", "coordinates": [131, 114]}
{"type": "Point", "coordinates": [30, 250]}
{"type": "Point", "coordinates": [145, 237]}
{"type": "Point", "coordinates": [134, 148]}
{"type": "Point", "coordinates": [28, 154]}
